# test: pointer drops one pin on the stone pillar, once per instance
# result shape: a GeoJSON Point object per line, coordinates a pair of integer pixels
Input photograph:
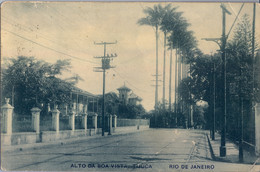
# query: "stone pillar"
{"type": "Point", "coordinates": [7, 112]}
{"type": "Point", "coordinates": [72, 120]}
{"type": "Point", "coordinates": [36, 119]}
{"type": "Point", "coordinates": [55, 119]}
{"type": "Point", "coordinates": [85, 121]}
{"type": "Point", "coordinates": [191, 116]}
{"type": "Point", "coordinates": [48, 107]}
{"type": "Point", "coordinates": [115, 121]}
{"type": "Point", "coordinates": [74, 108]}
{"type": "Point", "coordinates": [85, 109]}
{"type": "Point", "coordinates": [110, 124]}
{"type": "Point", "coordinates": [257, 129]}
{"type": "Point", "coordinates": [94, 121]}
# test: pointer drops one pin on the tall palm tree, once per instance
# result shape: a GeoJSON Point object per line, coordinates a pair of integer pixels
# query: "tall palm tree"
{"type": "Point", "coordinates": [178, 41]}
{"type": "Point", "coordinates": [154, 18]}
{"type": "Point", "coordinates": [168, 24]}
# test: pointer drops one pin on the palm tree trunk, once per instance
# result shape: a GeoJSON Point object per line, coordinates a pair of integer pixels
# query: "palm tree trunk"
{"type": "Point", "coordinates": [175, 89]}
{"type": "Point", "coordinates": [170, 82]}
{"type": "Point", "coordinates": [156, 85]}
{"type": "Point", "coordinates": [164, 54]}
{"type": "Point", "coordinates": [179, 104]}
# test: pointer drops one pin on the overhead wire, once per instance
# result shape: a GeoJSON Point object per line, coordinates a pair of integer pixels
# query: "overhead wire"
{"type": "Point", "coordinates": [236, 17]}
{"type": "Point", "coordinates": [52, 49]}
{"type": "Point", "coordinates": [29, 30]}
{"type": "Point", "coordinates": [128, 81]}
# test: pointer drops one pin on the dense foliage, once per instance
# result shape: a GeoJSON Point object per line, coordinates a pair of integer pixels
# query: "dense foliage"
{"type": "Point", "coordinates": [240, 82]}
{"type": "Point", "coordinates": [32, 82]}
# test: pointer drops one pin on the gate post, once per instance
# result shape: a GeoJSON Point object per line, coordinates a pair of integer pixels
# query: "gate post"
{"type": "Point", "coordinates": [55, 119]}
{"type": "Point", "coordinates": [7, 112]}
{"type": "Point", "coordinates": [85, 121]}
{"type": "Point", "coordinates": [110, 124]}
{"type": "Point", "coordinates": [94, 121]}
{"type": "Point", "coordinates": [36, 119]}
{"type": "Point", "coordinates": [72, 120]}
{"type": "Point", "coordinates": [115, 121]}
{"type": "Point", "coordinates": [7, 117]}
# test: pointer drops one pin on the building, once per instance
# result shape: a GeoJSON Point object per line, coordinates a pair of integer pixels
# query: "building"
{"type": "Point", "coordinates": [127, 96]}
{"type": "Point", "coordinates": [81, 102]}
{"type": "Point", "coordinates": [123, 94]}
{"type": "Point", "coordinates": [133, 99]}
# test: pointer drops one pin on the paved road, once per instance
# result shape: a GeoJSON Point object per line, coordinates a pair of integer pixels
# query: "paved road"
{"type": "Point", "coordinates": [151, 150]}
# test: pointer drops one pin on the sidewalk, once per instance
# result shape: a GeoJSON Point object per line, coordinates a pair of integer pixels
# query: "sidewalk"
{"type": "Point", "coordinates": [232, 154]}
{"type": "Point", "coordinates": [34, 146]}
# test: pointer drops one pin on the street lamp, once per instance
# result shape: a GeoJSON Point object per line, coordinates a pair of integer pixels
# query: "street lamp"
{"type": "Point", "coordinates": [223, 55]}
{"type": "Point", "coordinates": [222, 45]}
{"type": "Point", "coordinates": [214, 97]}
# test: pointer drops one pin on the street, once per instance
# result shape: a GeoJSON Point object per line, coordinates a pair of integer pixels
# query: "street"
{"type": "Point", "coordinates": [151, 150]}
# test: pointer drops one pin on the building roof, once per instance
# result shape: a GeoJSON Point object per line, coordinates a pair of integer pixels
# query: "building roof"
{"type": "Point", "coordinates": [124, 88]}
{"type": "Point", "coordinates": [79, 91]}
{"type": "Point", "coordinates": [134, 96]}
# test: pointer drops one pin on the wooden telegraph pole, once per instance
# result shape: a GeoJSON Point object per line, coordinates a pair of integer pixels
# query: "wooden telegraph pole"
{"type": "Point", "coordinates": [105, 66]}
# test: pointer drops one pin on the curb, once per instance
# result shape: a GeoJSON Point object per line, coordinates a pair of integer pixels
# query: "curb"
{"type": "Point", "coordinates": [36, 146]}
{"type": "Point", "coordinates": [213, 156]}
{"type": "Point", "coordinates": [211, 149]}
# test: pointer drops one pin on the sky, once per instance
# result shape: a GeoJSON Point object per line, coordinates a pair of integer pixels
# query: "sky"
{"type": "Point", "coordinates": [67, 30]}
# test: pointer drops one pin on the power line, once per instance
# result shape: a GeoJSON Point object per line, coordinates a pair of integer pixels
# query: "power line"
{"type": "Point", "coordinates": [34, 28]}
{"type": "Point", "coordinates": [30, 30]}
{"type": "Point", "coordinates": [123, 78]}
{"type": "Point", "coordinates": [52, 49]}
{"type": "Point", "coordinates": [235, 19]}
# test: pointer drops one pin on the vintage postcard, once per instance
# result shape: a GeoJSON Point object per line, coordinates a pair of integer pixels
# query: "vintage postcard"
{"type": "Point", "coordinates": [130, 86]}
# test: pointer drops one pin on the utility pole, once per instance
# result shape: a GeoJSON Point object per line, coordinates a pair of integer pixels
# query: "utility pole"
{"type": "Point", "coordinates": [156, 105]}
{"type": "Point", "coordinates": [156, 85]}
{"type": "Point", "coordinates": [222, 46]}
{"type": "Point", "coordinates": [224, 82]}
{"type": "Point", "coordinates": [213, 99]}
{"type": "Point", "coordinates": [190, 105]}
{"type": "Point", "coordinates": [214, 102]}
{"type": "Point", "coordinates": [156, 75]}
{"type": "Point", "coordinates": [241, 158]}
{"type": "Point", "coordinates": [253, 49]}
{"type": "Point", "coordinates": [105, 66]}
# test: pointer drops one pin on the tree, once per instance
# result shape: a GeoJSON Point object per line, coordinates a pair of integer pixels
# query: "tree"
{"type": "Point", "coordinates": [184, 42]}
{"type": "Point", "coordinates": [240, 75]}
{"type": "Point", "coordinates": [154, 18]}
{"type": "Point", "coordinates": [130, 111]}
{"type": "Point", "coordinates": [34, 82]}
{"type": "Point", "coordinates": [169, 21]}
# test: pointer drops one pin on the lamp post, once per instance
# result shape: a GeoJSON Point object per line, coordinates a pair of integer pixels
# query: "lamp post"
{"type": "Point", "coordinates": [223, 55]}
{"type": "Point", "coordinates": [216, 40]}
{"type": "Point", "coordinates": [222, 44]}
{"type": "Point", "coordinates": [213, 88]}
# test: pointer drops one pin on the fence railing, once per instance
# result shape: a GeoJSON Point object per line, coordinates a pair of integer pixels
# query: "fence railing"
{"type": "Point", "coordinates": [22, 123]}
{"type": "Point", "coordinates": [132, 122]}
{"type": "Point", "coordinates": [56, 121]}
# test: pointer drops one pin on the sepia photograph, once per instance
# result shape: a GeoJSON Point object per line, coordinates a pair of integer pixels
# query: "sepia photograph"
{"type": "Point", "coordinates": [130, 86]}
